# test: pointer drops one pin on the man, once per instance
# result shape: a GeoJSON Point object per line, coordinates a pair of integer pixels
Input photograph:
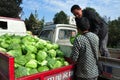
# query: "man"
{"type": "Point", "coordinates": [97, 26]}
{"type": "Point", "coordinates": [82, 54]}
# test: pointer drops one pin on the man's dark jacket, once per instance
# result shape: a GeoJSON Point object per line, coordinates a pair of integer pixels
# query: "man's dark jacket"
{"type": "Point", "coordinates": [97, 24]}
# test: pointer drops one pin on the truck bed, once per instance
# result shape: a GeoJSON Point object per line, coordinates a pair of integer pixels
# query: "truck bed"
{"type": "Point", "coordinates": [111, 68]}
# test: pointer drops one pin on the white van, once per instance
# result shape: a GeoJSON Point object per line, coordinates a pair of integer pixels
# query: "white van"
{"type": "Point", "coordinates": [12, 26]}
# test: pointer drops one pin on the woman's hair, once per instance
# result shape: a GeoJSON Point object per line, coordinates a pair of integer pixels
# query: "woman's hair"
{"type": "Point", "coordinates": [82, 23]}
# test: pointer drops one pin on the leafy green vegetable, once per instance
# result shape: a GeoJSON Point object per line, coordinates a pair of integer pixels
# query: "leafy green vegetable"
{"type": "Point", "coordinates": [43, 63]}
{"type": "Point", "coordinates": [20, 60]}
{"type": "Point", "coordinates": [4, 44]}
{"type": "Point", "coordinates": [41, 44]}
{"type": "Point", "coordinates": [59, 53]}
{"type": "Point", "coordinates": [21, 71]}
{"type": "Point", "coordinates": [2, 49]}
{"type": "Point", "coordinates": [58, 64]}
{"type": "Point", "coordinates": [31, 48]}
{"type": "Point", "coordinates": [73, 38]}
{"type": "Point", "coordinates": [16, 39]}
{"type": "Point", "coordinates": [28, 38]}
{"type": "Point", "coordinates": [14, 46]}
{"type": "Point", "coordinates": [43, 68]}
{"type": "Point", "coordinates": [51, 62]}
{"type": "Point", "coordinates": [31, 64]}
{"type": "Point", "coordinates": [17, 65]}
{"type": "Point", "coordinates": [55, 46]}
{"type": "Point", "coordinates": [33, 71]}
{"type": "Point", "coordinates": [29, 56]}
{"type": "Point", "coordinates": [41, 55]}
{"type": "Point", "coordinates": [49, 46]}
{"type": "Point", "coordinates": [15, 53]}
{"type": "Point", "coordinates": [66, 63]}
{"type": "Point", "coordinates": [52, 53]}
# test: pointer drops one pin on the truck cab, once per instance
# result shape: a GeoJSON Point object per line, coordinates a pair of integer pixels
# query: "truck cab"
{"type": "Point", "coordinates": [12, 26]}
{"type": "Point", "coordinates": [58, 33]}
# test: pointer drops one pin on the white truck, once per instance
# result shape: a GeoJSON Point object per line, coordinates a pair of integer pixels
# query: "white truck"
{"type": "Point", "coordinates": [12, 26]}
{"type": "Point", "coordinates": [61, 33]}
{"type": "Point", "coordinates": [58, 33]}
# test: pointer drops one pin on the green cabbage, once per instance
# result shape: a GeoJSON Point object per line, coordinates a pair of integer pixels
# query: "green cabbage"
{"type": "Point", "coordinates": [72, 39]}
{"type": "Point", "coordinates": [43, 68]}
{"type": "Point", "coordinates": [31, 64]}
{"type": "Point", "coordinates": [20, 60]}
{"type": "Point", "coordinates": [55, 46]}
{"type": "Point", "coordinates": [49, 46]}
{"type": "Point", "coordinates": [2, 49]}
{"type": "Point", "coordinates": [66, 63]}
{"type": "Point", "coordinates": [41, 55]}
{"type": "Point", "coordinates": [33, 71]}
{"type": "Point", "coordinates": [52, 53]}
{"type": "Point", "coordinates": [59, 53]}
{"type": "Point", "coordinates": [15, 53]}
{"type": "Point", "coordinates": [21, 71]}
{"type": "Point", "coordinates": [29, 56]}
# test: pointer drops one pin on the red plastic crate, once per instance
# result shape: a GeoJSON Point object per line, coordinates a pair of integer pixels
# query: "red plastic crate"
{"type": "Point", "coordinates": [7, 71]}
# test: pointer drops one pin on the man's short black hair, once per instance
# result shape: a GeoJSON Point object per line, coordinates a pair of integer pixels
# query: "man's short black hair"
{"type": "Point", "coordinates": [75, 7]}
{"type": "Point", "coordinates": [82, 23]}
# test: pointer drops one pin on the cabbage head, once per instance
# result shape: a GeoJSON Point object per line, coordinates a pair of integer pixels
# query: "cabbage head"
{"type": "Point", "coordinates": [29, 56]}
{"type": "Point", "coordinates": [31, 64]}
{"type": "Point", "coordinates": [66, 63]}
{"type": "Point", "coordinates": [49, 46]}
{"type": "Point", "coordinates": [52, 53]}
{"type": "Point", "coordinates": [31, 48]}
{"type": "Point", "coordinates": [15, 53]}
{"type": "Point", "coordinates": [55, 46]}
{"type": "Point", "coordinates": [43, 68]}
{"type": "Point", "coordinates": [2, 49]}
{"type": "Point", "coordinates": [59, 53]}
{"type": "Point", "coordinates": [20, 60]}
{"type": "Point", "coordinates": [41, 44]}
{"type": "Point", "coordinates": [33, 71]}
{"type": "Point", "coordinates": [21, 71]}
{"type": "Point", "coordinates": [41, 55]}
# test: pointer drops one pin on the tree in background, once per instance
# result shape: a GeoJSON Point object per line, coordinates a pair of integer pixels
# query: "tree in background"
{"type": "Point", "coordinates": [114, 33]}
{"type": "Point", "coordinates": [34, 24]}
{"type": "Point", "coordinates": [10, 8]}
{"type": "Point", "coordinates": [60, 18]}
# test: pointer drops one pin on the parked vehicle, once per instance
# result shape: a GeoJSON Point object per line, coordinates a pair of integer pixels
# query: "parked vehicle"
{"type": "Point", "coordinates": [58, 33]}
{"type": "Point", "coordinates": [12, 26]}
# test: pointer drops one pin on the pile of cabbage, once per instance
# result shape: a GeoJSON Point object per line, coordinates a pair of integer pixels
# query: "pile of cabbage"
{"type": "Point", "coordinates": [32, 55]}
